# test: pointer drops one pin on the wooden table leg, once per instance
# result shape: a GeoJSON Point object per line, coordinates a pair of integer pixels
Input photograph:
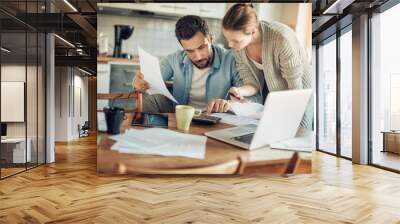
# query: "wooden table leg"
{"type": "Point", "coordinates": [292, 165]}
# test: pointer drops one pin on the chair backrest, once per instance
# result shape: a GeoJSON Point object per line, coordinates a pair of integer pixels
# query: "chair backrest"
{"type": "Point", "coordinates": [127, 96]}
{"type": "Point", "coordinates": [86, 125]}
{"type": "Point", "coordinates": [229, 167]}
{"type": "Point", "coordinates": [237, 166]}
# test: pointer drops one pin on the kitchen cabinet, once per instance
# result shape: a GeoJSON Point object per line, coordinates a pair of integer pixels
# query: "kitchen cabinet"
{"type": "Point", "coordinates": [125, 6]}
{"type": "Point", "coordinates": [212, 10]}
{"type": "Point", "coordinates": [115, 75]}
{"type": "Point", "coordinates": [187, 9]}
{"type": "Point", "coordinates": [162, 8]}
{"type": "Point", "coordinates": [103, 78]}
{"type": "Point", "coordinates": [206, 10]}
{"type": "Point", "coordinates": [121, 76]}
{"type": "Point", "coordinates": [103, 83]}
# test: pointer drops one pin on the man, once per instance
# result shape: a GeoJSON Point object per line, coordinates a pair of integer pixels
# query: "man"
{"type": "Point", "coordinates": [202, 72]}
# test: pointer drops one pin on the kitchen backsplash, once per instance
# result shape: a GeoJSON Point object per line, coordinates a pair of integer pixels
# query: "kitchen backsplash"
{"type": "Point", "coordinates": [155, 35]}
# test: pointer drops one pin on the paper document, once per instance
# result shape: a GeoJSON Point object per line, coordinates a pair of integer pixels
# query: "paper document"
{"type": "Point", "coordinates": [160, 141]}
{"type": "Point", "coordinates": [253, 110]}
{"type": "Point", "coordinates": [234, 119]}
{"type": "Point", "coordinates": [150, 67]}
{"type": "Point", "coordinates": [303, 144]}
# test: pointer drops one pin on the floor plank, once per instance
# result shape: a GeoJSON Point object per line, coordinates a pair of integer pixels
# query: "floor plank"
{"type": "Point", "coordinates": [70, 191]}
{"type": "Point", "coordinates": [386, 159]}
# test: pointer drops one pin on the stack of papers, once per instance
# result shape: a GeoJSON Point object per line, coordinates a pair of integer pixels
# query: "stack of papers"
{"type": "Point", "coordinates": [242, 114]}
{"type": "Point", "coordinates": [160, 141]}
{"type": "Point", "coordinates": [234, 119]}
{"type": "Point", "coordinates": [302, 143]}
{"type": "Point", "coordinates": [253, 110]}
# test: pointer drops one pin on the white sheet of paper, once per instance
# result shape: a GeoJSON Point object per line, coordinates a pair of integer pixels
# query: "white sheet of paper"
{"type": "Point", "coordinates": [253, 110]}
{"type": "Point", "coordinates": [234, 119]}
{"type": "Point", "coordinates": [150, 67]}
{"type": "Point", "coordinates": [302, 144]}
{"type": "Point", "coordinates": [159, 141]}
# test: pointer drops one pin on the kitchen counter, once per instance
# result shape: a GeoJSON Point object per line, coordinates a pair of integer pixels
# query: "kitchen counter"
{"type": "Point", "coordinates": [108, 59]}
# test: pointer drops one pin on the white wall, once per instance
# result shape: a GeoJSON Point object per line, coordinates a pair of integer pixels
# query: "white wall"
{"type": "Point", "coordinates": [80, 84]}
{"type": "Point", "coordinates": [295, 15]}
{"type": "Point", "coordinates": [67, 115]}
{"type": "Point", "coordinates": [17, 73]}
{"type": "Point", "coordinates": [283, 13]}
{"type": "Point", "coordinates": [14, 73]}
{"type": "Point", "coordinates": [61, 103]}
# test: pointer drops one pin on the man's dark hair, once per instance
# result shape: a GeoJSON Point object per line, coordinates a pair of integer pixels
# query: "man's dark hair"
{"type": "Point", "coordinates": [188, 26]}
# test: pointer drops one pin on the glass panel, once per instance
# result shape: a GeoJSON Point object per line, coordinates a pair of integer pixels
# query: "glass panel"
{"type": "Point", "coordinates": [13, 91]}
{"type": "Point", "coordinates": [394, 101]}
{"type": "Point", "coordinates": [22, 79]}
{"type": "Point", "coordinates": [13, 85]}
{"type": "Point", "coordinates": [386, 89]}
{"type": "Point", "coordinates": [31, 98]}
{"type": "Point", "coordinates": [327, 97]}
{"type": "Point", "coordinates": [314, 86]}
{"type": "Point", "coordinates": [32, 86]}
{"type": "Point", "coordinates": [41, 99]}
{"type": "Point", "coordinates": [346, 94]}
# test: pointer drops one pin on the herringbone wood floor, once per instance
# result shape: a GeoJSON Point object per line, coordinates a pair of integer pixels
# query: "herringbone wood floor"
{"type": "Point", "coordinates": [69, 191]}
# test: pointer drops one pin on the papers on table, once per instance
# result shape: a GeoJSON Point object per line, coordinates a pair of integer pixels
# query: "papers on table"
{"type": "Point", "coordinates": [234, 119]}
{"type": "Point", "coordinates": [243, 113]}
{"type": "Point", "coordinates": [160, 141]}
{"type": "Point", "coordinates": [150, 67]}
{"type": "Point", "coordinates": [303, 143]}
{"type": "Point", "coordinates": [250, 109]}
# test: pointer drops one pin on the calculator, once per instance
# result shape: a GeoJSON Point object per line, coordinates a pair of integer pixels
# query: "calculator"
{"type": "Point", "coordinates": [206, 119]}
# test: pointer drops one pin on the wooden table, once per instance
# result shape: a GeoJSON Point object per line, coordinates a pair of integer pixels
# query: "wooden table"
{"type": "Point", "coordinates": [391, 141]}
{"type": "Point", "coordinates": [258, 161]}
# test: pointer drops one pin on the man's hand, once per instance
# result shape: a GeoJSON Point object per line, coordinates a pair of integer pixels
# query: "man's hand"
{"type": "Point", "coordinates": [218, 106]}
{"type": "Point", "coordinates": [138, 82]}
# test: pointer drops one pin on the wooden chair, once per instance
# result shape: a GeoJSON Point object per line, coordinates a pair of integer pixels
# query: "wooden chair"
{"type": "Point", "coordinates": [236, 166]}
{"type": "Point", "coordinates": [127, 96]}
{"type": "Point", "coordinates": [83, 131]}
{"type": "Point", "coordinates": [229, 167]}
{"type": "Point", "coordinates": [283, 167]}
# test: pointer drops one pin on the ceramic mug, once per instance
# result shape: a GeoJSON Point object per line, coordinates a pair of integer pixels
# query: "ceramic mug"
{"type": "Point", "coordinates": [184, 115]}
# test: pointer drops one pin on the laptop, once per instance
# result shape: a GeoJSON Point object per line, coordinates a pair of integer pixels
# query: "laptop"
{"type": "Point", "coordinates": [283, 112]}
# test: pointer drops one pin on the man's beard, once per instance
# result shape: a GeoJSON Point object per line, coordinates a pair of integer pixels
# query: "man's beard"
{"type": "Point", "coordinates": [203, 63]}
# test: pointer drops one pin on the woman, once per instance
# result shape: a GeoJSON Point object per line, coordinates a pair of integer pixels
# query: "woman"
{"type": "Point", "coordinates": [268, 55]}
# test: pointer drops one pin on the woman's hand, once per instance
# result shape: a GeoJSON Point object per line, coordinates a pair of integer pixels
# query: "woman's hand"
{"type": "Point", "coordinates": [235, 94]}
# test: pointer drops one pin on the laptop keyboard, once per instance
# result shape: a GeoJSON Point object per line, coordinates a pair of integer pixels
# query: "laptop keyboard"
{"type": "Point", "coordinates": [244, 138]}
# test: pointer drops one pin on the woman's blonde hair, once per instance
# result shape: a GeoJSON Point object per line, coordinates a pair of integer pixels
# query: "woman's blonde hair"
{"type": "Point", "coordinates": [240, 17]}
